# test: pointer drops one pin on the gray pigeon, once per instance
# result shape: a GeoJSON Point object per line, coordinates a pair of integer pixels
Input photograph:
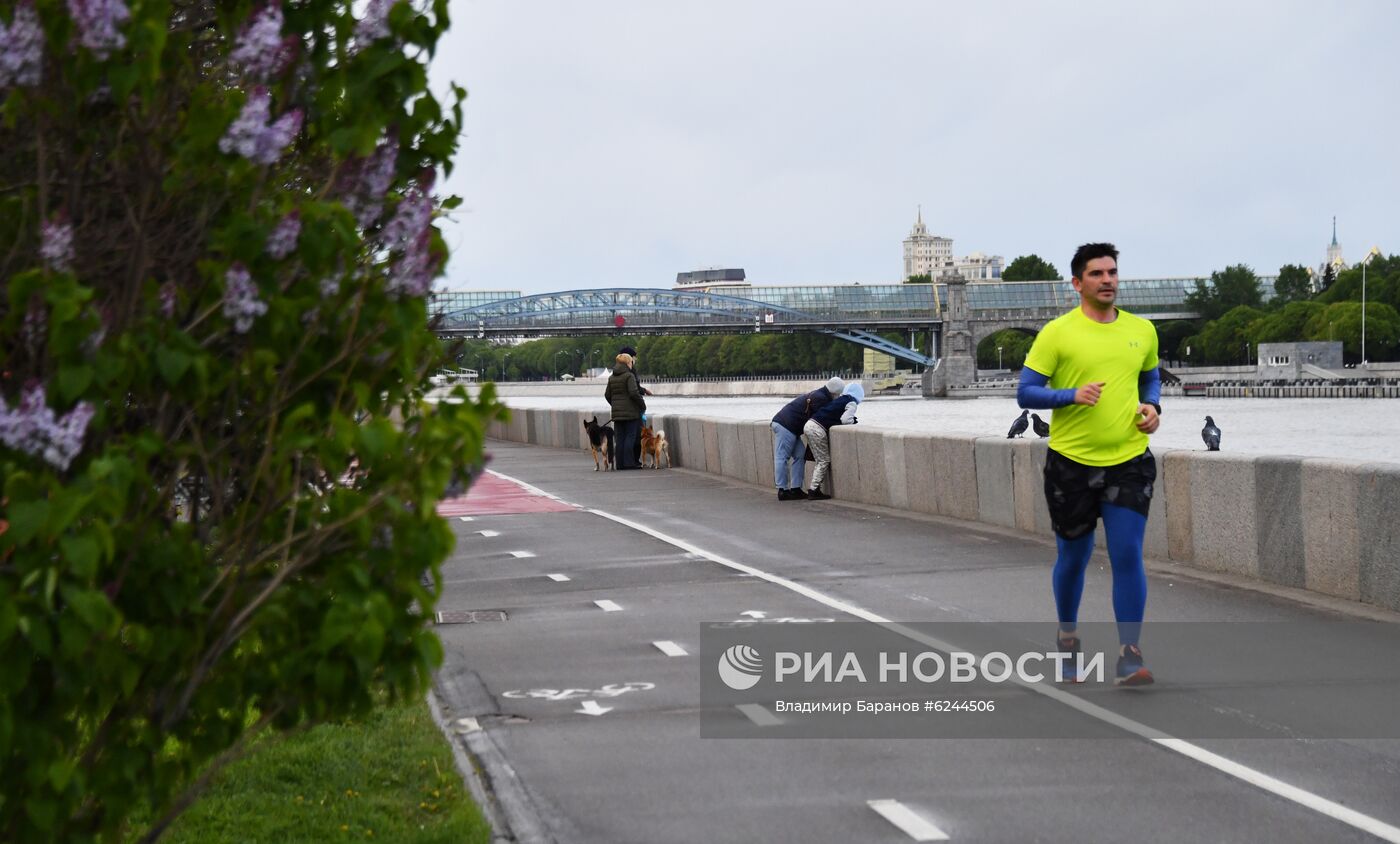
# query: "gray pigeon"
{"type": "Point", "coordinates": [1211, 435]}
{"type": "Point", "coordinates": [1019, 426]}
{"type": "Point", "coordinates": [1040, 426]}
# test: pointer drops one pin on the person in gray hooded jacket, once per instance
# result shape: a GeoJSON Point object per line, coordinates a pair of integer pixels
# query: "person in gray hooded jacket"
{"type": "Point", "coordinates": [789, 451]}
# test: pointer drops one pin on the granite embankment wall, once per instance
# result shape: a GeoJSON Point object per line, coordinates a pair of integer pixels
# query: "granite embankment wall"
{"type": "Point", "coordinates": [1328, 526]}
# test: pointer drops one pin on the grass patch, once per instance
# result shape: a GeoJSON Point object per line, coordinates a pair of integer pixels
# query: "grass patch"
{"type": "Point", "coordinates": [389, 777]}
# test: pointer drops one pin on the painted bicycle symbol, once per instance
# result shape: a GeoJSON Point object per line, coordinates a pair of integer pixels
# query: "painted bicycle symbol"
{"type": "Point", "coordinates": [610, 690]}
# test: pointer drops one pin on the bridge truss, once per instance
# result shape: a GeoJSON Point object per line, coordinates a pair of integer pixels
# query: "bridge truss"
{"type": "Point", "coordinates": [627, 310]}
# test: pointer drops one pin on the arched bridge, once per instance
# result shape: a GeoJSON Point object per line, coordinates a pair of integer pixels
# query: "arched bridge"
{"type": "Point", "coordinates": [957, 314]}
{"type": "Point", "coordinates": [852, 313]}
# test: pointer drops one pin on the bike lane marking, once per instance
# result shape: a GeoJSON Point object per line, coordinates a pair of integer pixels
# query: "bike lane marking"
{"type": "Point", "coordinates": [670, 648]}
{"type": "Point", "coordinates": [910, 823]}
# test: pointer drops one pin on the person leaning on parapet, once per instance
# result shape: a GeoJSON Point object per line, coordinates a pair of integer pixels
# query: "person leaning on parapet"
{"type": "Point", "coordinates": [839, 411]}
{"type": "Point", "coordinates": [625, 398]}
{"type": "Point", "coordinates": [1097, 367]}
{"type": "Point", "coordinates": [789, 451]}
{"type": "Point", "coordinates": [628, 350]}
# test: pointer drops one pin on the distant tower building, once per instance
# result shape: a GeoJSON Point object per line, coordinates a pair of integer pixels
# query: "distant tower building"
{"type": "Point", "coordinates": [1334, 260]}
{"type": "Point", "coordinates": [926, 254]}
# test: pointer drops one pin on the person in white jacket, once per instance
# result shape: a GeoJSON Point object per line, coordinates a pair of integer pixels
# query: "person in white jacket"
{"type": "Point", "coordinates": [841, 411]}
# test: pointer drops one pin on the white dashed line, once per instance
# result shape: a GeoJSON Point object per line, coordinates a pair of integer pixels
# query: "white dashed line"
{"type": "Point", "coordinates": [908, 821]}
{"type": "Point", "coordinates": [559, 578]}
{"type": "Point", "coordinates": [670, 648]}
{"type": "Point", "coordinates": [520, 555]}
{"type": "Point", "coordinates": [758, 714]}
{"type": "Point", "coordinates": [608, 606]}
{"type": "Point", "coordinates": [489, 532]}
{"type": "Point", "coordinates": [467, 518]}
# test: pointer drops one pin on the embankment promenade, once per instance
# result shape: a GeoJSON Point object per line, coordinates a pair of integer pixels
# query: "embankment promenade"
{"type": "Point", "coordinates": [1326, 526]}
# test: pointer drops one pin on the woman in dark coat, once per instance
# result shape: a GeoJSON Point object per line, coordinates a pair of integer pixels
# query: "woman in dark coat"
{"type": "Point", "coordinates": [624, 396]}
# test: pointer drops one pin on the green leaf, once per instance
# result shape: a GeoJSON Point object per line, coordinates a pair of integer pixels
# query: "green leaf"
{"type": "Point", "coordinates": [73, 380]}
{"type": "Point", "coordinates": [26, 518]}
{"type": "Point", "coordinates": [91, 607]}
{"type": "Point", "coordinates": [172, 363]}
{"type": "Point", "coordinates": [81, 552]}
{"type": "Point", "coordinates": [60, 772]}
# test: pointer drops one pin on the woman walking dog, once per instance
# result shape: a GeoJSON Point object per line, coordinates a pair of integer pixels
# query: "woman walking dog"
{"type": "Point", "coordinates": [624, 396]}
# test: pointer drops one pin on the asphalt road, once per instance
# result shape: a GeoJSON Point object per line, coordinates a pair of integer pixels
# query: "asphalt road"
{"type": "Point", "coordinates": [587, 729]}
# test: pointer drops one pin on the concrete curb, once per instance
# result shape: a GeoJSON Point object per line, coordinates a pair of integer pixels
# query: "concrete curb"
{"type": "Point", "coordinates": [504, 800]}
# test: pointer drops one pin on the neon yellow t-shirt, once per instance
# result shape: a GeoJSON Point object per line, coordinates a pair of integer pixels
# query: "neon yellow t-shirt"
{"type": "Point", "coordinates": [1074, 350]}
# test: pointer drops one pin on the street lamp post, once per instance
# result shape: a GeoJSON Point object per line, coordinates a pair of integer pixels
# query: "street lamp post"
{"type": "Point", "coordinates": [1363, 309]}
{"type": "Point", "coordinates": [998, 357]}
{"type": "Point", "coordinates": [504, 358]}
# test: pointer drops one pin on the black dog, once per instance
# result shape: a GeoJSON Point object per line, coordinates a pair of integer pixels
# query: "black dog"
{"type": "Point", "coordinates": [600, 440]}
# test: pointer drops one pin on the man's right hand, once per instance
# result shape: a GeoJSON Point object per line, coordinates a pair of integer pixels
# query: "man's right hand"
{"type": "Point", "coordinates": [1089, 394]}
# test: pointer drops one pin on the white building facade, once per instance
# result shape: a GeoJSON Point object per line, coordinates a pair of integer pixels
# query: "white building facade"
{"type": "Point", "coordinates": [931, 255]}
{"type": "Point", "coordinates": [926, 254]}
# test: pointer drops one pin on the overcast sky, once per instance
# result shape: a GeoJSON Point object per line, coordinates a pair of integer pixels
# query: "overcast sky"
{"type": "Point", "coordinates": [618, 143]}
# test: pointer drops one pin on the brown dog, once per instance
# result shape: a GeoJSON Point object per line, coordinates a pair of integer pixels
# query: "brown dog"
{"type": "Point", "coordinates": [654, 444]}
{"type": "Point", "coordinates": [600, 441]}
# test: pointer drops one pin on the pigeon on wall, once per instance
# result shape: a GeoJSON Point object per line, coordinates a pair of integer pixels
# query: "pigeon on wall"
{"type": "Point", "coordinates": [1040, 426]}
{"type": "Point", "coordinates": [1019, 426]}
{"type": "Point", "coordinates": [1210, 435]}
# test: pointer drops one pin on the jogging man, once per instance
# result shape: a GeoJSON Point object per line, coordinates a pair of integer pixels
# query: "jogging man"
{"type": "Point", "coordinates": [1097, 367]}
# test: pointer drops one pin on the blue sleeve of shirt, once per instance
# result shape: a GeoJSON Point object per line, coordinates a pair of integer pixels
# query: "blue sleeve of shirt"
{"type": "Point", "coordinates": [1034, 394]}
{"type": "Point", "coordinates": [1150, 387]}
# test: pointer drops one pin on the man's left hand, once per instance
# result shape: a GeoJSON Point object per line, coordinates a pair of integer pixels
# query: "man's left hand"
{"type": "Point", "coordinates": [644, 390]}
{"type": "Point", "coordinates": [1148, 419]}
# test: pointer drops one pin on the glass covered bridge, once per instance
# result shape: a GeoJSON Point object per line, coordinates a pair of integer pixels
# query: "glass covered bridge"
{"type": "Point", "coordinates": [851, 312]}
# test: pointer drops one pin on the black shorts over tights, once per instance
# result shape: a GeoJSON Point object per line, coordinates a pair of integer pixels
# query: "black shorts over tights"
{"type": "Point", "coordinates": [1074, 492]}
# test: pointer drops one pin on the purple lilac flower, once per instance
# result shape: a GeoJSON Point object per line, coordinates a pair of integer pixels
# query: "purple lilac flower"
{"type": "Point", "coordinates": [283, 239]}
{"type": "Point", "coordinates": [409, 233]}
{"type": "Point", "coordinates": [277, 136]}
{"type": "Point", "coordinates": [375, 24]}
{"type": "Point", "coordinates": [21, 48]}
{"type": "Point", "coordinates": [241, 302]}
{"type": "Point", "coordinates": [262, 52]}
{"type": "Point", "coordinates": [410, 219]}
{"type": "Point", "coordinates": [167, 299]}
{"type": "Point", "coordinates": [97, 22]}
{"type": "Point", "coordinates": [369, 180]}
{"type": "Point", "coordinates": [56, 243]}
{"type": "Point", "coordinates": [36, 323]}
{"type": "Point", "coordinates": [330, 286]}
{"type": "Point", "coordinates": [32, 428]}
{"type": "Point", "coordinates": [252, 137]}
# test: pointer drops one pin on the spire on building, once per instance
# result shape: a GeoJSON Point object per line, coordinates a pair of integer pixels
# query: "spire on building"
{"type": "Point", "coordinates": [1334, 229]}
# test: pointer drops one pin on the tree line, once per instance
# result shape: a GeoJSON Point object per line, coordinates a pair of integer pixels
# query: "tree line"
{"type": "Point", "coordinates": [1235, 319]}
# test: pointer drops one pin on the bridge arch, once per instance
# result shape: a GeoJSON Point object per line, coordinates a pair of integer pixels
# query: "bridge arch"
{"type": "Point", "coordinates": [655, 311]}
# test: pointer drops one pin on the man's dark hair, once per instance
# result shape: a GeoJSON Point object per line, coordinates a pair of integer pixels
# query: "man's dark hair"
{"type": "Point", "coordinates": [1088, 252]}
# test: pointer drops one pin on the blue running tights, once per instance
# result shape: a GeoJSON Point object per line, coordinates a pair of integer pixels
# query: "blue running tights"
{"type": "Point", "coordinates": [1124, 529]}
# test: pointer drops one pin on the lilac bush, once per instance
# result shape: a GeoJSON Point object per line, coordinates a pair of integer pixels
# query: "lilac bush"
{"type": "Point", "coordinates": [218, 476]}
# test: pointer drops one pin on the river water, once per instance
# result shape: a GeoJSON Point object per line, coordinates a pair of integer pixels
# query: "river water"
{"type": "Point", "coordinates": [1349, 429]}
